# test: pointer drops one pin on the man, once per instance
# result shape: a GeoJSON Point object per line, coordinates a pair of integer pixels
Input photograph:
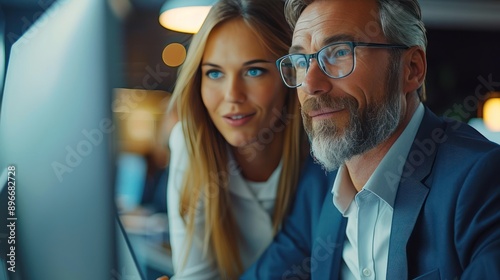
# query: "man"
{"type": "Point", "coordinates": [415, 196]}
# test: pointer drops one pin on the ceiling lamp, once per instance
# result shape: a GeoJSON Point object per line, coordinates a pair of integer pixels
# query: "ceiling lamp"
{"type": "Point", "coordinates": [184, 15]}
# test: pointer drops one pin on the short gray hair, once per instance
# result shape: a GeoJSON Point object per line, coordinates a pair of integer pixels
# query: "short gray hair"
{"type": "Point", "coordinates": [401, 21]}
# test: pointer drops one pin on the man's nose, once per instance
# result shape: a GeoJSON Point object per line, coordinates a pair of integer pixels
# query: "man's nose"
{"type": "Point", "coordinates": [315, 80]}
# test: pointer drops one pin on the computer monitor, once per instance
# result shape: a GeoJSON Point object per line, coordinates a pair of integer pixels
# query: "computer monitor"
{"type": "Point", "coordinates": [56, 134]}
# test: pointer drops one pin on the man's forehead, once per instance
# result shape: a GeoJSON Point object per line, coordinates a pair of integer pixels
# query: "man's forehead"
{"type": "Point", "coordinates": [324, 19]}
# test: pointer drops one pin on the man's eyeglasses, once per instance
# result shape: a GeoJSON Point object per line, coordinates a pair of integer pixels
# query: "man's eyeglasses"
{"type": "Point", "coordinates": [336, 60]}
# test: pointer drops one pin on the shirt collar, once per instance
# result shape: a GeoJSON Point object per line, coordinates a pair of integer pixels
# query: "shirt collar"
{"type": "Point", "coordinates": [343, 190]}
{"type": "Point", "coordinates": [385, 179]}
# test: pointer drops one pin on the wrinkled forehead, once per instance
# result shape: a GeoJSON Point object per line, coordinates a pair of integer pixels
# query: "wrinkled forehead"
{"type": "Point", "coordinates": [325, 21]}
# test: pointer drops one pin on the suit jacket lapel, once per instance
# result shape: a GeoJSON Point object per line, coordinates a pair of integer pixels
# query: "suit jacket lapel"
{"type": "Point", "coordinates": [411, 194]}
{"type": "Point", "coordinates": [328, 242]}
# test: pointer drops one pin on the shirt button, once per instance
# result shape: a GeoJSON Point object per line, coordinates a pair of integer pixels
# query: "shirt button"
{"type": "Point", "coordinates": [367, 272]}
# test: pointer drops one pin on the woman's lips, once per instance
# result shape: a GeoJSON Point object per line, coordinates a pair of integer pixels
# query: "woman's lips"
{"type": "Point", "coordinates": [238, 119]}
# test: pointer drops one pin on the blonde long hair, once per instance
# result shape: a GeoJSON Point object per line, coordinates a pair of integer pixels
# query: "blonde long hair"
{"type": "Point", "coordinates": [206, 179]}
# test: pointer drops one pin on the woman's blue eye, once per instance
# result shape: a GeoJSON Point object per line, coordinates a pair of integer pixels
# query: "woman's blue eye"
{"type": "Point", "coordinates": [214, 74]}
{"type": "Point", "coordinates": [255, 72]}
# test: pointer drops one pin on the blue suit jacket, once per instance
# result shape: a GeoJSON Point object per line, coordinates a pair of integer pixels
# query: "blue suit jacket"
{"type": "Point", "coordinates": [446, 221]}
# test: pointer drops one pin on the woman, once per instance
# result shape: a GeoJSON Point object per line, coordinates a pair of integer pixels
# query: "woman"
{"type": "Point", "coordinates": [236, 158]}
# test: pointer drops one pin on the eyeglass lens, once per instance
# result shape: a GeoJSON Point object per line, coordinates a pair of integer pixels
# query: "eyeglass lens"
{"type": "Point", "coordinates": [336, 61]}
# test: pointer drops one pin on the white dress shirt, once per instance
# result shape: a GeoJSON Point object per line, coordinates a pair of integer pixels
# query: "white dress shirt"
{"type": "Point", "coordinates": [252, 205]}
{"type": "Point", "coordinates": [369, 212]}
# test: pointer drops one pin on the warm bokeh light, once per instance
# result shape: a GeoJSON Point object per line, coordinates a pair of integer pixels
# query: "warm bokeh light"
{"type": "Point", "coordinates": [174, 54]}
{"type": "Point", "coordinates": [184, 19]}
{"type": "Point", "coordinates": [138, 114]}
{"type": "Point", "coordinates": [491, 114]}
{"type": "Point", "coordinates": [140, 125]}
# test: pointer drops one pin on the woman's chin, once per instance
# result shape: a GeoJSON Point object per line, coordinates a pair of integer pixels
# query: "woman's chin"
{"type": "Point", "coordinates": [241, 142]}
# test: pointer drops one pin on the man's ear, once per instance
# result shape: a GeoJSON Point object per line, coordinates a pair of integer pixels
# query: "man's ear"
{"type": "Point", "coordinates": [414, 69]}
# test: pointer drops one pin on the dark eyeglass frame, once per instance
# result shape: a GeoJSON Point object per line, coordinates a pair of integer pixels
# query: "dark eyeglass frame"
{"type": "Point", "coordinates": [315, 55]}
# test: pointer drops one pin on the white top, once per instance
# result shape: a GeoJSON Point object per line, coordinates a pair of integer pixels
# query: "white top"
{"type": "Point", "coordinates": [252, 206]}
{"type": "Point", "coordinates": [369, 212]}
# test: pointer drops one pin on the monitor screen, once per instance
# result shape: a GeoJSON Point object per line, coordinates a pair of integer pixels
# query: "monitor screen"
{"type": "Point", "coordinates": [56, 143]}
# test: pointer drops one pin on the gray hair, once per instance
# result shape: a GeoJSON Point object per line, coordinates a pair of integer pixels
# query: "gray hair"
{"type": "Point", "coordinates": [401, 22]}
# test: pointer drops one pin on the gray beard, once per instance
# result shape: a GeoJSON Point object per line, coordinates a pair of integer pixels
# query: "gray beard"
{"type": "Point", "coordinates": [365, 130]}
